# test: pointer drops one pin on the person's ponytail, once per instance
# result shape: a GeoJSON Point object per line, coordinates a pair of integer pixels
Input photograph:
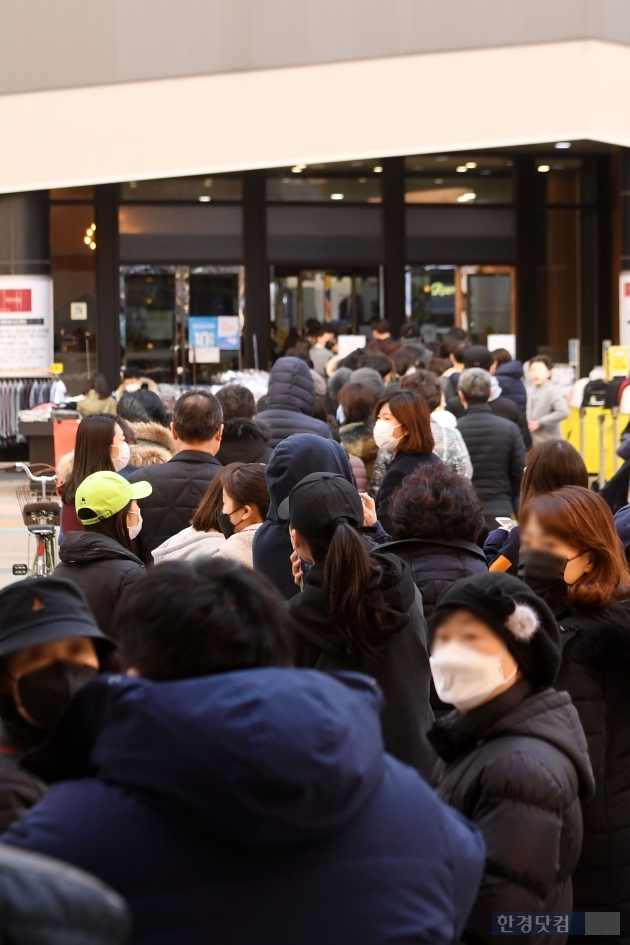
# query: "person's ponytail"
{"type": "Point", "coordinates": [354, 600]}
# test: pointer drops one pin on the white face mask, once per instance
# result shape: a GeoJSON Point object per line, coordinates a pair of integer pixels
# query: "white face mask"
{"type": "Point", "coordinates": [134, 531]}
{"type": "Point", "coordinates": [384, 435]}
{"type": "Point", "coordinates": [464, 677]}
{"type": "Point", "coordinates": [122, 458]}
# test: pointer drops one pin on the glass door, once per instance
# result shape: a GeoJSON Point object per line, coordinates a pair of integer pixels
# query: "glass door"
{"type": "Point", "coordinates": [148, 326]}
{"type": "Point", "coordinates": [486, 301]}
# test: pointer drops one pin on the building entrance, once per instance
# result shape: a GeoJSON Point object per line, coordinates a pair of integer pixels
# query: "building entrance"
{"type": "Point", "coordinates": [156, 304]}
{"type": "Point", "coordinates": [479, 299]}
{"type": "Point", "coordinates": [344, 298]}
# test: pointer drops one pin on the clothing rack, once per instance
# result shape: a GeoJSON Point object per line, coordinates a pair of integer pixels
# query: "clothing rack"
{"type": "Point", "coordinates": [20, 393]}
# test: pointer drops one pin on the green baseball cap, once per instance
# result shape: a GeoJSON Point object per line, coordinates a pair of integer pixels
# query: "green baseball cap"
{"type": "Point", "coordinates": [105, 494]}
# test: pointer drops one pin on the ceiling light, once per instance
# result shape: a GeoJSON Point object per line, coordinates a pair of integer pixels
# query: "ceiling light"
{"type": "Point", "coordinates": [92, 245]}
{"type": "Point", "coordinates": [205, 199]}
{"type": "Point", "coordinates": [298, 168]}
{"type": "Point", "coordinates": [471, 164]}
{"type": "Point", "coordinates": [543, 168]}
{"type": "Point", "coordinates": [207, 182]}
{"type": "Point", "coordinates": [378, 169]}
{"type": "Point", "coordinates": [363, 180]}
{"type": "Point", "coordinates": [336, 196]}
{"type": "Point", "coordinates": [466, 197]}
{"type": "Point", "coordinates": [133, 184]}
{"type": "Point", "coordinates": [461, 169]}
{"type": "Point", "coordinates": [562, 145]}
{"type": "Point", "coordinates": [87, 240]}
{"type": "Point", "coordinates": [438, 180]}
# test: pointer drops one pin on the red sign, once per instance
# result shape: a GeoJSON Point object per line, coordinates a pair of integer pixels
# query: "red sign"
{"type": "Point", "coordinates": [15, 300]}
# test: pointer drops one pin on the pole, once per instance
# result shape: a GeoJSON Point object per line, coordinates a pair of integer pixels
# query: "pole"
{"type": "Point", "coordinates": [255, 349]}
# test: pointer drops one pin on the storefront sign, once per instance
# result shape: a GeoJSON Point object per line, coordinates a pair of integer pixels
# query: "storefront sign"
{"type": "Point", "coordinates": [346, 344]}
{"type": "Point", "coordinates": [78, 311]}
{"type": "Point", "coordinates": [503, 341]}
{"type": "Point", "coordinates": [26, 325]}
{"type": "Point", "coordinates": [208, 335]}
{"type": "Point", "coordinates": [624, 308]}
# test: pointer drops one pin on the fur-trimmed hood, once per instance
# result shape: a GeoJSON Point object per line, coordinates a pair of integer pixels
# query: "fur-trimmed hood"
{"type": "Point", "coordinates": [147, 454]}
{"type": "Point", "coordinates": [154, 433]}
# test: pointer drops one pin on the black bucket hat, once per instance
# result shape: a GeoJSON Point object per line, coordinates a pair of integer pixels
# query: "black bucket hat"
{"type": "Point", "coordinates": [42, 610]}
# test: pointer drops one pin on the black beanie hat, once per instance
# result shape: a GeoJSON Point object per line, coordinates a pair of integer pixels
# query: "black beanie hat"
{"type": "Point", "coordinates": [515, 614]}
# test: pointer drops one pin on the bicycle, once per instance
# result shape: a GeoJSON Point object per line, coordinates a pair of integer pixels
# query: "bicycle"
{"type": "Point", "coordinates": [41, 516]}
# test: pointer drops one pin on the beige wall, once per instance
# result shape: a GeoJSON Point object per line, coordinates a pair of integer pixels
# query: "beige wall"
{"type": "Point", "coordinates": [71, 43]}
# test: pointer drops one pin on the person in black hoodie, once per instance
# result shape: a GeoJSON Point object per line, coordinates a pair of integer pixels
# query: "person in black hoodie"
{"type": "Point", "coordinates": [101, 559]}
{"type": "Point", "coordinates": [509, 374]}
{"type": "Point", "coordinates": [573, 558]}
{"type": "Point", "coordinates": [513, 754]}
{"type": "Point", "coordinates": [290, 401]}
{"type": "Point", "coordinates": [294, 458]}
{"type": "Point", "coordinates": [243, 440]}
{"type": "Point", "coordinates": [50, 646]}
{"type": "Point", "coordinates": [360, 610]}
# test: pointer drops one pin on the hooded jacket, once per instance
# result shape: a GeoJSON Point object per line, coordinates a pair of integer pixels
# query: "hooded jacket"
{"type": "Point", "coordinates": [595, 672]}
{"type": "Point", "coordinates": [518, 766]}
{"type": "Point", "coordinates": [295, 458]}
{"type": "Point", "coordinates": [187, 544]}
{"type": "Point", "coordinates": [402, 672]}
{"type": "Point", "coordinates": [276, 819]}
{"type": "Point", "coordinates": [244, 441]}
{"type": "Point", "coordinates": [510, 378]}
{"type": "Point", "coordinates": [45, 902]}
{"type": "Point", "coordinates": [289, 402]}
{"type": "Point", "coordinates": [102, 568]}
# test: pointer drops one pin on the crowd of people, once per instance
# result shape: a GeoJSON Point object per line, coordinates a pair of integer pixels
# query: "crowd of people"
{"type": "Point", "coordinates": [346, 665]}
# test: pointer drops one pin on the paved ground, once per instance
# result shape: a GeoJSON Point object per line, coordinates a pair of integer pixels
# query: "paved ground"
{"type": "Point", "coordinates": [13, 533]}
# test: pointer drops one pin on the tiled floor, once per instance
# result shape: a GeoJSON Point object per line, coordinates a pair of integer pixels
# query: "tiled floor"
{"type": "Point", "coordinates": [13, 533]}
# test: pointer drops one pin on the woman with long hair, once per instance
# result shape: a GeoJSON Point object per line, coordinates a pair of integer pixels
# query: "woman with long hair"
{"type": "Point", "coordinates": [551, 465]}
{"type": "Point", "coordinates": [572, 558]}
{"type": "Point", "coordinates": [245, 506]}
{"type": "Point", "coordinates": [100, 447]}
{"type": "Point", "coordinates": [360, 610]}
{"type": "Point", "coordinates": [403, 426]}
{"type": "Point", "coordinates": [101, 559]}
{"type": "Point", "coordinates": [98, 397]}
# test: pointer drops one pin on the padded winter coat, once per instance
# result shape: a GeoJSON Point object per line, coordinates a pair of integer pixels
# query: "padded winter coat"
{"type": "Point", "coordinates": [358, 440]}
{"type": "Point", "coordinates": [498, 457]}
{"type": "Point", "coordinates": [517, 767]}
{"type": "Point", "coordinates": [244, 441]}
{"type": "Point", "coordinates": [178, 488]}
{"type": "Point", "coordinates": [102, 568]}
{"type": "Point", "coordinates": [501, 407]}
{"type": "Point", "coordinates": [437, 563]}
{"type": "Point", "coordinates": [510, 378]}
{"type": "Point", "coordinates": [45, 902]}
{"type": "Point", "coordinates": [249, 808]}
{"type": "Point", "coordinates": [403, 672]}
{"type": "Point", "coordinates": [596, 673]}
{"type": "Point", "coordinates": [19, 790]}
{"type": "Point", "coordinates": [289, 402]}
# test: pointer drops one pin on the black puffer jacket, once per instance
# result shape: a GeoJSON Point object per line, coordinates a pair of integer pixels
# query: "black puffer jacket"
{"type": "Point", "coordinates": [244, 441]}
{"type": "Point", "coordinates": [102, 568]}
{"type": "Point", "coordinates": [510, 378]}
{"type": "Point", "coordinates": [517, 767]}
{"type": "Point", "coordinates": [403, 671]}
{"type": "Point", "coordinates": [19, 790]}
{"type": "Point", "coordinates": [46, 902]}
{"type": "Point", "coordinates": [501, 407]}
{"type": "Point", "coordinates": [437, 563]}
{"type": "Point", "coordinates": [596, 674]}
{"type": "Point", "coordinates": [402, 465]}
{"type": "Point", "coordinates": [289, 402]}
{"type": "Point", "coordinates": [178, 488]}
{"type": "Point", "coordinates": [498, 458]}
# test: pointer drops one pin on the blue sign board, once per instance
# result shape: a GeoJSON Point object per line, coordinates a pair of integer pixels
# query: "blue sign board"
{"type": "Point", "coordinates": [214, 331]}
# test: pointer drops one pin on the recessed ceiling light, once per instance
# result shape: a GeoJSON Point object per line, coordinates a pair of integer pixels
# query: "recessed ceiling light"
{"type": "Point", "coordinates": [298, 168]}
{"type": "Point", "coordinates": [205, 199]}
{"type": "Point", "coordinates": [562, 145]}
{"type": "Point", "coordinates": [378, 169]}
{"type": "Point", "coordinates": [471, 164]}
{"type": "Point", "coordinates": [466, 197]}
{"type": "Point", "coordinates": [543, 168]}
{"type": "Point", "coordinates": [207, 182]}
{"type": "Point", "coordinates": [336, 196]}
{"type": "Point", "coordinates": [461, 169]}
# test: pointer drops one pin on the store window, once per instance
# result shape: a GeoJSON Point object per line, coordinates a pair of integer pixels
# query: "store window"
{"type": "Point", "coordinates": [203, 189]}
{"type": "Point", "coordinates": [73, 242]}
{"type": "Point", "coordinates": [348, 182]}
{"type": "Point", "coordinates": [459, 179]}
{"type": "Point", "coordinates": [431, 299]}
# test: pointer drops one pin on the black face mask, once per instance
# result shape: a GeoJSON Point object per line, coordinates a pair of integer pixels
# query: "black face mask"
{"type": "Point", "coordinates": [225, 524]}
{"type": "Point", "coordinates": [44, 693]}
{"type": "Point", "coordinates": [543, 572]}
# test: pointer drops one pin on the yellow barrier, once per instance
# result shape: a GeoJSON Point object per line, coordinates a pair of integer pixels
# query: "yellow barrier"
{"type": "Point", "coordinates": [571, 432]}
